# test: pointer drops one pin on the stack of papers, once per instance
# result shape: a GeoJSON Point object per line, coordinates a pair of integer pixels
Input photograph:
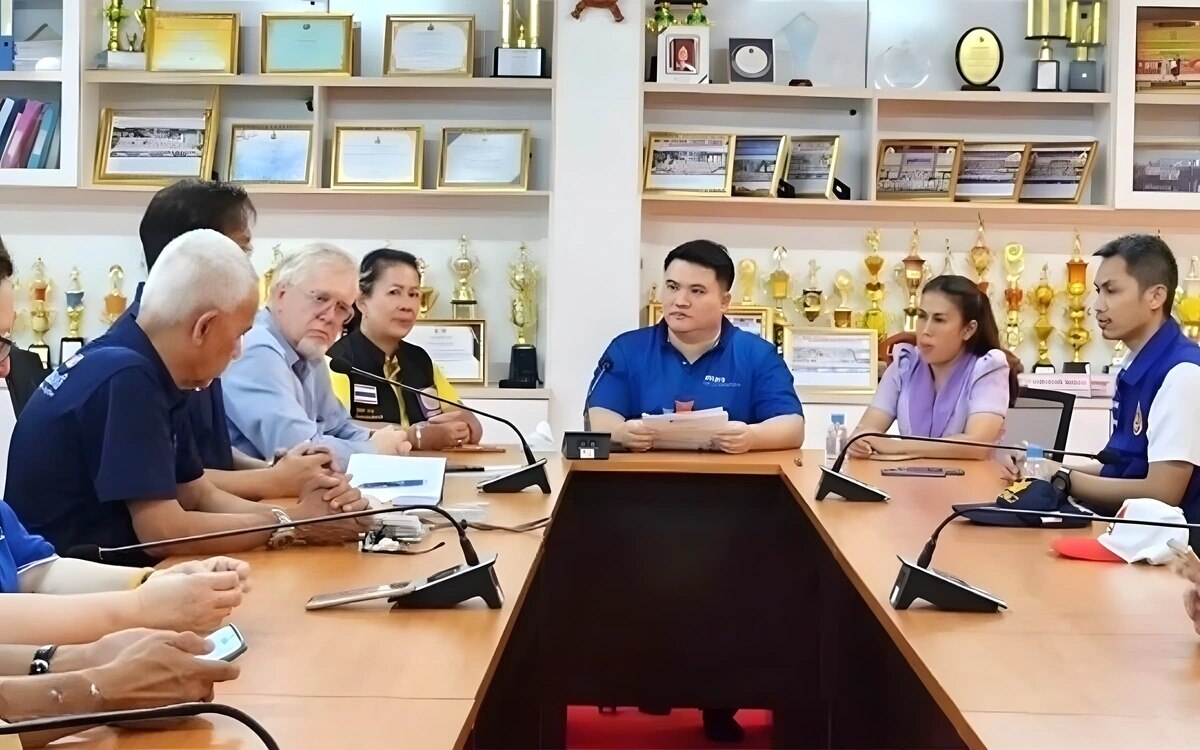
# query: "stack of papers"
{"type": "Point", "coordinates": [45, 44]}
{"type": "Point", "coordinates": [688, 430]}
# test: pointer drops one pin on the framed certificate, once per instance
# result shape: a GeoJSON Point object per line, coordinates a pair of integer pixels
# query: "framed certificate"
{"type": "Point", "coordinates": [484, 159]}
{"type": "Point", "coordinates": [812, 164]}
{"type": "Point", "coordinates": [991, 171]}
{"type": "Point", "coordinates": [142, 147]}
{"type": "Point", "coordinates": [429, 46]}
{"type": "Point", "coordinates": [279, 154]}
{"type": "Point", "coordinates": [758, 163]}
{"type": "Point", "coordinates": [458, 347]}
{"type": "Point", "coordinates": [833, 360]}
{"type": "Point", "coordinates": [750, 318]}
{"type": "Point", "coordinates": [193, 42]}
{"type": "Point", "coordinates": [1057, 172]}
{"type": "Point", "coordinates": [379, 157]}
{"type": "Point", "coordinates": [1166, 167]}
{"type": "Point", "coordinates": [917, 169]}
{"type": "Point", "coordinates": [308, 43]}
{"type": "Point", "coordinates": [694, 164]}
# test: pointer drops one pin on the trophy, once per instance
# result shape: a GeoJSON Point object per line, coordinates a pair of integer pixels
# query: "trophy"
{"type": "Point", "coordinates": [747, 273]}
{"type": "Point", "coordinates": [1085, 30]}
{"type": "Point", "coordinates": [948, 263]}
{"type": "Point", "coordinates": [697, 17]}
{"type": "Point", "coordinates": [778, 282]}
{"type": "Point", "coordinates": [1189, 302]}
{"type": "Point", "coordinates": [911, 273]}
{"type": "Point", "coordinates": [810, 298]}
{"type": "Point", "coordinates": [113, 14]}
{"type": "Point", "coordinates": [662, 19]}
{"type": "Point", "coordinates": [981, 259]}
{"type": "Point", "coordinates": [429, 295]}
{"type": "Point", "coordinates": [1043, 298]}
{"type": "Point", "coordinates": [268, 276]}
{"type": "Point", "coordinates": [522, 277]}
{"type": "Point", "coordinates": [114, 302]}
{"type": "Point", "coordinates": [1046, 21]}
{"type": "Point", "coordinates": [520, 57]}
{"type": "Point", "coordinates": [1014, 295]}
{"type": "Point", "coordinates": [142, 16]}
{"type": "Point", "coordinates": [132, 54]}
{"type": "Point", "coordinates": [463, 306]}
{"type": "Point", "coordinates": [874, 317]}
{"type": "Point", "coordinates": [1077, 336]}
{"type": "Point", "coordinates": [41, 314]}
{"type": "Point", "coordinates": [843, 284]}
{"type": "Point", "coordinates": [73, 341]}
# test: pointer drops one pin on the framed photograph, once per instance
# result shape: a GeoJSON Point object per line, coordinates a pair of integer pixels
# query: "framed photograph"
{"type": "Point", "coordinates": [1168, 52]}
{"type": "Point", "coordinates": [1166, 167]}
{"type": "Point", "coordinates": [429, 46]}
{"type": "Point", "coordinates": [307, 43]}
{"type": "Point", "coordinates": [833, 360]}
{"type": "Point", "coordinates": [1057, 172]}
{"type": "Point", "coordinates": [750, 318]}
{"type": "Point", "coordinates": [153, 147]}
{"type": "Point", "coordinates": [694, 164]}
{"type": "Point", "coordinates": [758, 163]}
{"type": "Point", "coordinates": [751, 60]}
{"type": "Point", "coordinates": [192, 42]}
{"type": "Point", "coordinates": [484, 159]}
{"type": "Point", "coordinates": [377, 157]}
{"type": "Point", "coordinates": [279, 154]}
{"type": "Point", "coordinates": [991, 171]}
{"type": "Point", "coordinates": [812, 164]}
{"type": "Point", "coordinates": [683, 54]}
{"type": "Point", "coordinates": [458, 347]}
{"type": "Point", "coordinates": [917, 169]}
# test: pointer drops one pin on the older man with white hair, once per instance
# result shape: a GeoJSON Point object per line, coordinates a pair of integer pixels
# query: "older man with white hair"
{"type": "Point", "coordinates": [95, 456]}
{"type": "Point", "coordinates": [278, 394]}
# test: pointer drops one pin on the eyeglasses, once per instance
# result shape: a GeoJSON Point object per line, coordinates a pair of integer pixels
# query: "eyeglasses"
{"type": "Point", "coordinates": [322, 303]}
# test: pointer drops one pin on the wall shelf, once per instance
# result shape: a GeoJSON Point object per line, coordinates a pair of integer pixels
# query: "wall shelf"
{"type": "Point", "coordinates": [775, 91]}
{"type": "Point", "coordinates": [32, 76]}
{"type": "Point", "coordinates": [224, 79]}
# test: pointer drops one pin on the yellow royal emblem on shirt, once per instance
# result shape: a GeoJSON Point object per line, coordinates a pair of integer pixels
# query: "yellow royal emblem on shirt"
{"type": "Point", "coordinates": [1009, 494]}
{"type": "Point", "coordinates": [1137, 420]}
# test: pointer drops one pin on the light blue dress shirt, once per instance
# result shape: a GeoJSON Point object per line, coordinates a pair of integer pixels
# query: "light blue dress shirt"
{"type": "Point", "coordinates": [275, 399]}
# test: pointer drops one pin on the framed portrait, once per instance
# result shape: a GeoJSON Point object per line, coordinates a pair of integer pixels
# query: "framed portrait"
{"type": "Point", "coordinates": [695, 164]}
{"type": "Point", "coordinates": [683, 55]}
{"type": "Point", "coordinates": [429, 46]}
{"type": "Point", "coordinates": [279, 154]}
{"type": "Point", "coordinates": [192, 42]}
{"type": "Point", "coordinates": [758, 163]}
{"type": "Point", "coordinates": [812, 165]}
{"type": "Point", "coordinates": [917, 169]}
{"type": "Point", "coordinates": [143, 147]}
{"type": "Point", "coordinates": [754, 319]}
{"type": "Point", "coordinates": [833, 360]}
{"type": "Point", "coordinates": [458, 347]}
{"type": "Point", "coordinates": [307, 43]}
{"type": "Point", "coordinates": [1166, 167]}
{"type": "Point", "coordinates": [991, 171]}
{"type": "Point", "coordinates": [484, 159]}
{"type": "Point", "coordinates": [1057, 172]}
{"type": "Point", "coordinates": [377, 157]}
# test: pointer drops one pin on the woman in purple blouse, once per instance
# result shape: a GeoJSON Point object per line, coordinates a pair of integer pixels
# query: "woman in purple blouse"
{"type": "Point", "coordinates": [955, 383]}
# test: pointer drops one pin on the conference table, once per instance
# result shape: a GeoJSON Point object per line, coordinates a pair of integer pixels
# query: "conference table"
{"type": "Point", "coordinates": [714, 581]}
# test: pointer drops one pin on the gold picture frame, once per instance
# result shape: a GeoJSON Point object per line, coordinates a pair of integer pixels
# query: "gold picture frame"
{"type": "Point", "coordinates": [341, 167]}
{"type": "Point", "coordinates": [756, 319]}
{"type": "Point", "coordinates": [975, 189]}
{"type": "Point", "coordinates": [466, 23]}
{"type": "Point", "coordinates": [832, 360]}
{"type": "Point", "coordinates": [344, 35]}
{"type": "Point", "coordinates": [167, 30]}
{"type": "Point", "coordinates": [806, 185]}
{"type": "Point", "coordinates": [677, 166]}
{"type": "Point", "coordinates": [750, 156]}
{"type": "Point", "coordinates": [912, 181]}
{"type": "Point", "coordinates": [452, 370]}
{"type": "Point", "coordinates": [258, 160]}
{"type": "Point", "coordinates": [1043, 185]}
{"type": "Point", "coordinates": [127, 136]}
{"type": "Point", "coordinates": [455, 173]}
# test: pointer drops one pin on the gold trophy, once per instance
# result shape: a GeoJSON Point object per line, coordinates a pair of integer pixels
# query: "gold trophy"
{"type": "Point", "coordinates": [981, 259]}
{"type": "Point", "coordinates": [843, 284]}
{"type": "Point", "coordinates": [268, 276]}
{"type": "Point", "coordinates": [73, 341]}
{"type": "Point", "coordinates": [522, 277]}
{"type": "Point", "coordinates": [143, 17]}
{"type": "Point", "coordinates": [1014, 295]}
{"type": "Point", "coordinates": [429, 295]}
{"type": "Point", "coordinates": [778, 283]}
{"type": "Point", "coordinates": [114, 302]}
{"type": "Point", "coordinates": [809, 301]}
{"type": "Point", "coordinates": [911, 273]}
{"type": "Point", "coordinates": [1043, 298]}
{"type": "Point", "coordinates": [113, 14]}
{"type": "Point", "coordinates": [747, 275]}
{"type": "Point", "coordinates": [463, 305]}
{"type": "Point", "coordinates": [662, 19]}
{"type": "Point", "coordinates": [1189, 302]}
{"type": "Point", "coordinates": [521, 57]}
{"type": "Point", "coordinates": [948, 263]}
{"type": "Point", "coordinates": [874, 316]}
{"type": "Point", "coordinates": [1077, 335]}
{"type": "Point", "coordinates": [41, 314]}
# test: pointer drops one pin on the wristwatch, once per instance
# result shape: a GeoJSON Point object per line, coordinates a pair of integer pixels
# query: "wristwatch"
{"type": "Point", "coordinates": [41, 660]}
{"type": "Point", "coordinates": [1062, 480]}
{"type": "Point", "coordinates": [281, 538]}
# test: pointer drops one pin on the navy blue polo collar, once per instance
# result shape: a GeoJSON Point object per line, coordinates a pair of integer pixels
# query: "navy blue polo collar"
{"type": "Point", "coordinates": [727, 332]}
{"type": "Point", "coordinates": [1162, 339]}
{"type": "Point", "coordinates": [127, 332]}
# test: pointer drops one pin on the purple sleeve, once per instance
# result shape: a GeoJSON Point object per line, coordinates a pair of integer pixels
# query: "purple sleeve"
{"type": "Point", "coordinates": [989, 394]}
{"type": "Point", "coordinates": [887, 396]}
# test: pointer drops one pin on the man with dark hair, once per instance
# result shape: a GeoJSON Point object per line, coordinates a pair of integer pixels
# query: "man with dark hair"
{"type": "Point", "coordinates": [1155, 410]}
{"type": "Point", "coordinates": [694, 358]}
{"type": "Point", "coordinates": [22, 370]}
{"type": "Point", "coordinates": [196, 204]}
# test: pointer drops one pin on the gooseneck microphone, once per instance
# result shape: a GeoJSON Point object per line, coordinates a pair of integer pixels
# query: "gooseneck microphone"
{"type": "Point", "coordinates": [835, 482]}
{"type": "Point", "coordinates": [605, 366]}
{"type": "Point", "coordinates": [531, 475]}
{"type": "Point", "coordinates": [178, 711]}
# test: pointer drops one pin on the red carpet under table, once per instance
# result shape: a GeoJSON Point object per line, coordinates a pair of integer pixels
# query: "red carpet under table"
{"type": "Point", "coordinates": [588, 729]}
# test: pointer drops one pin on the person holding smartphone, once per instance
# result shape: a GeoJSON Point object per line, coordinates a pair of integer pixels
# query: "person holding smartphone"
{"type": "Point", "coordinates": [956, 383]}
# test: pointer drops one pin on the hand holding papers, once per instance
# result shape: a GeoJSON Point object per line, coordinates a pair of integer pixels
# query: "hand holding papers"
{"type": "Point", "coordinates": [686, 431]}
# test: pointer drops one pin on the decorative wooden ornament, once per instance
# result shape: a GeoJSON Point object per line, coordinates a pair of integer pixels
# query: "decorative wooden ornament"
{"type": "Point", "coordinates": [610, 5]}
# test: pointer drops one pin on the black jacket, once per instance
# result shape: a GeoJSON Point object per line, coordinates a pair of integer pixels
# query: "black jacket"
{"type": "Point", "coordinates": [25, 375]}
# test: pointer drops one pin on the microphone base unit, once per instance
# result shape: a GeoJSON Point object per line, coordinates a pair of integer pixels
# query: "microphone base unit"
{"type": "Point", "coordinates": [587, 446]}
{"type": "Point", "coordinates": [518, 480]}
{"type": "Point", "coordinates": [941, 590]}
{"type": "Point", "coordinates": [450, 587]}
{"type": "Point", "coordinates": [848, 488]}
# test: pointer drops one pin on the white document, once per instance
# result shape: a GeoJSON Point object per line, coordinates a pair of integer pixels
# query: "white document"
{"type": "Point", "coordinates": [686, 431]}
{"type": "Point", "coordinates": [484, 158]}
{"type": "Point", "coordinates": [416, 480]}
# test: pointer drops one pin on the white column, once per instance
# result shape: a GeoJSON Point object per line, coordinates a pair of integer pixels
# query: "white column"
{"type": "Point", "coordinates": [592, 277]}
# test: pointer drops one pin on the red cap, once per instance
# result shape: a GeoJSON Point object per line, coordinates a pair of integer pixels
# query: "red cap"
{"type": "Point", "coordinates": [1084, 549]}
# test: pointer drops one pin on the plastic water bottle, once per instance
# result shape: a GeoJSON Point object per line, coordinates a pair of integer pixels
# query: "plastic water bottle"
{"type": "Point", "coordinates": [835, 439]}
{"type": "Point", "coordinates": [1036, 466]}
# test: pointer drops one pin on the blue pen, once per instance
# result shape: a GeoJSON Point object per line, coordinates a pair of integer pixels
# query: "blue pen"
{"type": "Point", "coordinates": [393, 483]}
